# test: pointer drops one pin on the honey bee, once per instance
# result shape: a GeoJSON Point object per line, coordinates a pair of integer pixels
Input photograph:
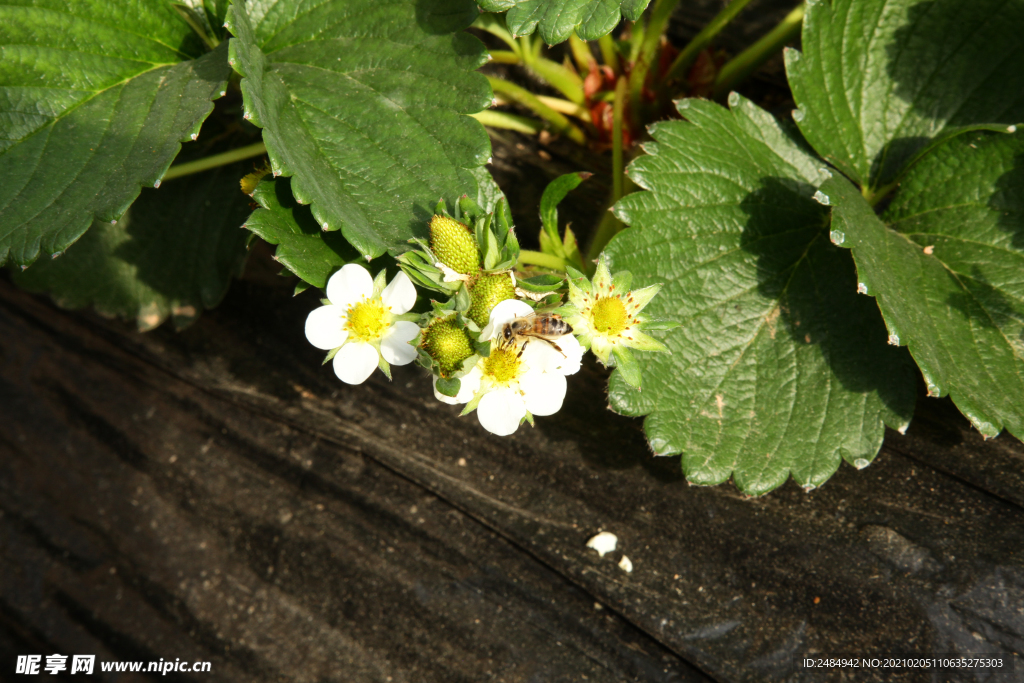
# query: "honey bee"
{"type": "Point", "coordinates": [544, 326]}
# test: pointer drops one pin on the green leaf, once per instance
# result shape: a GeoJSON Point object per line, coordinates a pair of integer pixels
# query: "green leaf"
{"type": "Point", "coordinates": [95, 101]}
{"type": "Point", "coordinates": [557, 19]}
{"type": "Point", "coordinates": [302, 246]}
{"type": "Point", "coordinates": [779, 368]}
{"type": "Point", "coordinates": [946, 272]}
{"type": "Point", "coordinates": [449, 387]}
{"type": "Point", "coordinates": [364, 105]}
{"type": "Point", "coordinates": [879, 78]}
{"type": "Point", "coordinates": [172, 254]}
{"type": "Point", "coordinates": [554, 193]}
{"type": "Point", "coordinates": [628, 369]}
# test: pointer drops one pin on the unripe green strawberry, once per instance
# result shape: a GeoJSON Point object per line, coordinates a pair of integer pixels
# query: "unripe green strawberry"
{"type": "Point", "coordinates": [453, 243]}
{"type": "Point", "coordinates": [486, 293]}
{"type": "Point", "coordinates": [448, 344]}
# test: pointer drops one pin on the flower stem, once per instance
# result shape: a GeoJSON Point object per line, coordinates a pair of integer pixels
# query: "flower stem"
{"type": "Point", "coordinates": [521, 96]}
{"type": "Point", "coordinates": [560, 105]}
{"type": "Point", "coordinates": [689, 54]}
{"type": "Point", "coordinates": [617, 170]}
{"type": "Point", "coordinates": [745, 63]}
{"type": "Point", "coordinates": [496, 27]}
{"type": "Point", "coordinates": [581, 53]}
{"type": "Point", "coordinates": [609, 53]}
{"type": "Point", "coordinates": [610, 225]}
{"type": "Point", "coordinates": [505, 57]}
{"type": "Point", "coordinates": [536, 258]}
{"type": "Point", "coordinates": [660, 15]}
{"type": "Point", "coordinates": [501, 119]}
{"type": "Point", "coordinates": [223, 159]}
{"type": "Point", "coordinates": [559, 77]}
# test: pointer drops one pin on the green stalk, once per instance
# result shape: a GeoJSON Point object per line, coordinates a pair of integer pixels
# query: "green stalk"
{"type": "Point", "coordinates": [523, 97]}
{"type": "Point", "coordinates": [637, 33]}
{"type": "Point", "coordinates": [505, 57]}
{"type": "Point", "coordinates": [617, 170]}
{"type": "Point", "coordinates": [689, 54]}
{"type": "Point", "coordinates": [190, 19]}
{"type": "Point", "coordinates": [222, 159]}
{"type": "Point", "coordinates": [566, 107]}
{"type": "Point", "coordinates": [581, 53]}
{"type": "Point", "coordinates": [660, 15]}
{"type": "Point", "coordinates": [496, 27]}
{"type": "Point", "coordinates": [609, 53]}
{"type": "Point", "coordinates": [559, 77]}
{"type": "Point", "coordinates": [536, 258]}
{"type": "Point", "coordinates": [747, 62]}
{"type": "Point", "coordinates": [501, 119]}
{"type": "Point", "coordinates": [610, 225]}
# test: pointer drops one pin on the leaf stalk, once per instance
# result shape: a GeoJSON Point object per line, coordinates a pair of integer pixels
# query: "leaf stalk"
{"type": "Point", "coordinates": [688, 56]}
{"type": "Point", "coordinates": [525, 98]}
{"type": "Point", "coordinates": [747, 62]}
{"type": "Point", "coordinates": [528, 257]}
{"type": "Point", "coordinates": [215, 161]}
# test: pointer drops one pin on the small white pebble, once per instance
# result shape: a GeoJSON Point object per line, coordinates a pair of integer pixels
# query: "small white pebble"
{"type": "Point", "coordinates": [603, 543]}
{"type": "Point", "coordinates": [625, 565]}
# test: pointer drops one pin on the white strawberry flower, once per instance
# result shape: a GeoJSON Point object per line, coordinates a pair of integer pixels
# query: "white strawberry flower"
{"type": "Point", "coordinates": [515, 383]}
{"type": "Point", "coordinates": [360, 325]}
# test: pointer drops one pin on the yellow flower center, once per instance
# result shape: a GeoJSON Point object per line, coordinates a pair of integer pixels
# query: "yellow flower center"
{"type": "Point", "coordinates": [609, 315]}
{"type": "Point", "coordinates": [366, 320]}
{"type": "Point", "coordinates": [502, 365]}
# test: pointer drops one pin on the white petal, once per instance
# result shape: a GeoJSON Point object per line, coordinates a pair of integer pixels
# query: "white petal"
{"type": "Point", "coordinates": [400, 295]}
{"type": "Point", "coordinates": [470, 385]}
{"type": "Point", "coordinates": [356, 362]}
{"type": "Point", "coordinates": [501, 411]}
{"type": "Point", "coordinates": [395, 346]}
{"type": "Point", "coordinates": [544, 392]}
{"type": "Point", "coordinates": [542, 356]}
{"type": "Point", "coordinates": [504, 312]}
{"type": "Point", "coordinates": [325, 327]}
{"type": "Point", "coordinates": [571, 356]}
{"type": "Point", "coordinates": [603, 543]}
{"type": "Point", "coordinates": [349, 285]}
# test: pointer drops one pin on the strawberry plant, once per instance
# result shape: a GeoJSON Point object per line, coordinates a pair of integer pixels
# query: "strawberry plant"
{"type": "Point", "coordinates": [767, 290]}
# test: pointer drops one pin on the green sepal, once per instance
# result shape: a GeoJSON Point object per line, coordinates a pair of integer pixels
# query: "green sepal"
{"type": "Point", "coordinates": [331, 354]}
{"type": "Point", "coordinates": [578, 279]}
{"type": "Point", "coordinates": [572, 248]}
{"type": "Point", "coordinates": [541, 284]}
{"type": "Point", "coordinates": [627, 366]}
{"type": "Point", "coordinates": [471, 406]}
{"type": "Point", "coordinates": [483, 348]}
{"type": "Point", "coordinates": [463, 300]}
{"type": "Point", "coordinates": [441, 209]}
{"type": "Point", "coordinates": [528, 418]}
{"type": "Point", "coordinates": [554, 193]}
{"type": "Point", "coordinates": [300, 287]}
{"type": "Point", "coordinates": [489, 246]}
{"type": "Point", "coordinates": [622, 281]}
{"type": "Point", "coordinates": [470, 209]}
{"type": "Point", "coordinates": [326, 302]}
{"type": "Point", "coordinates": [449, 387]}
{"type": "Point", "coordinates": [380, 282]}
{"type": "Point", "coordinates": [548, 301]}
{"type": "Point", "coordinates": [384, 367]}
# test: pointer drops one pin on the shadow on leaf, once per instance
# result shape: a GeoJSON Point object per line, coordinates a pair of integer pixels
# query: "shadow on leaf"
{"type": "Point", "coordinates": [815, 284]}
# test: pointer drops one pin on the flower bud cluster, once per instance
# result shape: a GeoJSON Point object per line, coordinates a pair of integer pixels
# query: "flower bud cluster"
{"type": "Point", "coordinates": [493, 342]}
